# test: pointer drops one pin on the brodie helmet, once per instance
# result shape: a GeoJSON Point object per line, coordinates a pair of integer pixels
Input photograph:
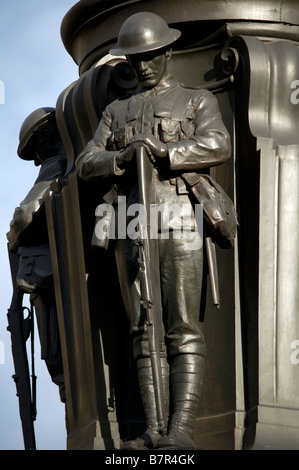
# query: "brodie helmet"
{"type": "Point", "coordinates": [30, 125]}
{"type": "Point", "coordinates": [143, 32]}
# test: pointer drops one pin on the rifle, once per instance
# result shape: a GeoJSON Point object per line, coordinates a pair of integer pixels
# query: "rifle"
{"type": "Point", "coordinates": [20, 329]}
{"type": "Point", "coordinates": [150, 294]}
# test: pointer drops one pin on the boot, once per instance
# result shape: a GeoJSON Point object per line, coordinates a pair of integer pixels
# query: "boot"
{"type": "Point", "coordinates": [151, 436]}
{"type": "Point", "coordinates": [187, 372]}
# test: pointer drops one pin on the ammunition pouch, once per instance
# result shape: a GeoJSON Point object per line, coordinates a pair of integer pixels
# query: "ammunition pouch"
{"type": "Point", "coordinates": [218, 209]}
{"type": "Point", "coordinates": [35, 268]}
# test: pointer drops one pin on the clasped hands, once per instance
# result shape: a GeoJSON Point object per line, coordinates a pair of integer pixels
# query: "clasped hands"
{"type": "Point", "coordinates": [153, 146]}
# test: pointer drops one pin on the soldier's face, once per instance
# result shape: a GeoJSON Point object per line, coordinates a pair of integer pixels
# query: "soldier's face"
{"type": "Point", "coordinates": [149, 67]}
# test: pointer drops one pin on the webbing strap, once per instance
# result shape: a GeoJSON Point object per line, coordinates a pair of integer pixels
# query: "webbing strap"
{"type": "Point", "coordinates": [180, 104]}
{"type": "Point", "coordinates": [122, 113]}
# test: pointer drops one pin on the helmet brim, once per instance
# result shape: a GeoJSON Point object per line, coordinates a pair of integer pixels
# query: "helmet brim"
{"type": "Point", "coordinates": [22, 147]}
{"type": "Point", "coordinates": [173, 36]}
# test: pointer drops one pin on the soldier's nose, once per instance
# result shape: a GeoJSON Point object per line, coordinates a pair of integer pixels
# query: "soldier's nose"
{"type": "Point", "coordinates": [143, 65]}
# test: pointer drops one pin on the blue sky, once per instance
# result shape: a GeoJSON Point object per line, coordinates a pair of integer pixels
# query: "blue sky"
{"type": "Point", "coordinates": [35, 69]}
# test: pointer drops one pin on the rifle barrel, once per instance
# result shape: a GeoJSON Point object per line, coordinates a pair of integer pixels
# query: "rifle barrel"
{"type": "Point", "coordinates": [148, 261]}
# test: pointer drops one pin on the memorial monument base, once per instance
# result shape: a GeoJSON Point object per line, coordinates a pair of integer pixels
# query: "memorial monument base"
{"type": "Point", "coordinates": [92, 437]}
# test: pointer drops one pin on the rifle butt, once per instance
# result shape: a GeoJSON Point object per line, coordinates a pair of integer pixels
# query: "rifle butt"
{"type": "Point", "coordinates": [28, 435]}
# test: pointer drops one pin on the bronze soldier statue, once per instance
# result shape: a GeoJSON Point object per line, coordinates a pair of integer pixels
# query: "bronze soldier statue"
{"type": "Point", "coordinates": [40, 142]}
{"type": "Point", "coordinates": [182, 132]}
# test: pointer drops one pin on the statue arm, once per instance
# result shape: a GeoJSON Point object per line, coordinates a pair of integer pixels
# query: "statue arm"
{"type": "Point", "coordinates": [95, 161]}
{"type": "Point", "coordinates": [24, 214]}
{"type": "Point", "coordinates": [210, 144]}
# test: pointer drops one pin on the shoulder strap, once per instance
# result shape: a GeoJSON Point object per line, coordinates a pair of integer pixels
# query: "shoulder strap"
{"type": "Point", "coordinates": [180, 104]}
{"type": "Point", "coordinates": [121, 113]}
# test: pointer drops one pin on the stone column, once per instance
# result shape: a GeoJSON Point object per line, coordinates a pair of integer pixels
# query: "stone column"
{"type": "Point", "coordinates": [272, 68]}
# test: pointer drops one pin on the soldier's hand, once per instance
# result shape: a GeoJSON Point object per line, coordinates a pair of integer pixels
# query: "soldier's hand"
{"type": "Point", "coordinates": [156, 147]}
{"type": "Point", "coordinates": [124, 157]}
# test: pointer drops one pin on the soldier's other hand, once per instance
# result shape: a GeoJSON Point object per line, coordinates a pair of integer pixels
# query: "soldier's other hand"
{"type": "Point", "coordinates": [157, 148]}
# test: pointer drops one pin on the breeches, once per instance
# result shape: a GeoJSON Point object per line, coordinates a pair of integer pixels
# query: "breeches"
{"type": "Point", "coordinates": [180, 282]}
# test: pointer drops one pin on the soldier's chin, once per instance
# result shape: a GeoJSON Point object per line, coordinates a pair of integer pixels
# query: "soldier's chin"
{"type": "Point", "coordinates": [149, 82]}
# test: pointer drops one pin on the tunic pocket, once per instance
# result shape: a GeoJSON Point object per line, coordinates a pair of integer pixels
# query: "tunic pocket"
{"type": "Point", "coordinates": [188, 128]}
{"type": "Point", "coordinates": [170, 130]}
{"type": "Point", "coordinates": [120, 137]}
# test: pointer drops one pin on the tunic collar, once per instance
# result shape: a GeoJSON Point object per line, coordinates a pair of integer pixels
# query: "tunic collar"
{"type": "Point", "coordinates": [168, 83]}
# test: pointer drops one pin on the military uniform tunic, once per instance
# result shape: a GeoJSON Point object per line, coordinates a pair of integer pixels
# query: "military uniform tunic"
{"type": "Point", "coordinates": [188, 121]}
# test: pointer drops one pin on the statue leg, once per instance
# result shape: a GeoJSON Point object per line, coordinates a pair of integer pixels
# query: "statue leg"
{"type": "Point", "coordinates": [181, 274]}
{"type": "Point", "coordinates": [47, 322]}
{"type": "Point", "coordinates": [150, 438]}
{"type": "Point", "coordinates": [128, 269]}
{"type": "Point", "coordinates": [184, 340]}
{"type": "Point", "coordinates": [187, 373]}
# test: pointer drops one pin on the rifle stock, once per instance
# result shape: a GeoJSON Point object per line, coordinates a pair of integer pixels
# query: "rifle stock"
{"type": "Point", "coordinates": [150, 295]}
{"type": "Point", "coordinates": [20, 329]}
